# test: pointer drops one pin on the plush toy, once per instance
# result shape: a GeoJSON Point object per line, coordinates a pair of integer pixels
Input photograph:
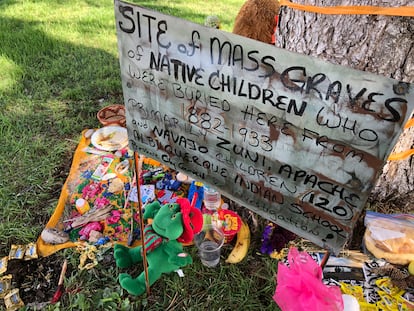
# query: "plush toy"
{"type": "Point", "coordinates": [172, 224]}
{"type": "Point", "coordinates": [257, 19]}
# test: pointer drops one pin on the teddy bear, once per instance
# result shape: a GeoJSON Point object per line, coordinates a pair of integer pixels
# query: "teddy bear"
{"type": "Point", "coordinates": [169, 227]}
{"type": "Point", "coordinates": [257, 19]}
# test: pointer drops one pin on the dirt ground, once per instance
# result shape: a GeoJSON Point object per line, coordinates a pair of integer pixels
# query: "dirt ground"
{"type": "Point", "coordinates": [37, 279]}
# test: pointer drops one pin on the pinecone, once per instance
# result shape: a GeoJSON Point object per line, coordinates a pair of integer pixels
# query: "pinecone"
{"type": "Point", "coordinates": [405, 283]}
{"type": "Point", "coordinates": [393, 272]}
{"type": "Point", "coordinates": [399, 277]}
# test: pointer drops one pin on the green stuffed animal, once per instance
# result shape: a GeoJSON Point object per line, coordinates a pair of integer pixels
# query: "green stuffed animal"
{"type": "Point", "coordinates": [172, 224]}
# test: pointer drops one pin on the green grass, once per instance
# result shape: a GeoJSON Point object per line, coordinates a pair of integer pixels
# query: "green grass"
{"type": "Point", "coordinates": [246, 286]}
{"type": "Point", "coordinates": [58, 66]}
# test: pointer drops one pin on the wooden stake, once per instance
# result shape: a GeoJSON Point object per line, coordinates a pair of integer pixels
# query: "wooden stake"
{"type": "Point", "coordinates": [325, 259]}
{"type": "Point", "coordinates": [60, 288]}
{"type": "Point", "coordinates": [141, 222]}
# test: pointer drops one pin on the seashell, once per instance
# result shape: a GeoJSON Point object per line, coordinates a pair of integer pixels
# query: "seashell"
{"type": "Point", "coordinates": [184, 178]}
{"type": "Point", "coordinates": [88, 133]}
{"type": "Point", "coordinates": [54, 236]}
{"type": "Point", "coordinates": [116, 185]}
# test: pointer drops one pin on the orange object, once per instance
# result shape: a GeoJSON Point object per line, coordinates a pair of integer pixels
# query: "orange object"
{"type": "Point", "coordinates": [112, 115]}
{"type": "Point", "coordinates": [401, 155]}
{"type": "Point", "coordinates": [351, 9]}
{"type": "Point", "coordinates": [407, 153]}
{"type": "Point", "coordinates": [409, 123]}
{"type": "Point", "coordinates": [55, 221]}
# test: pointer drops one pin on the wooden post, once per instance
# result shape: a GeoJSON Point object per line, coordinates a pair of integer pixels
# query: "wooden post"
{"type": "Point", "coordinates": [141, 221]}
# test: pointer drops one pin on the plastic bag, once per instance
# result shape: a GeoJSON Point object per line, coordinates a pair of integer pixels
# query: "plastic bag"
{"type": "Point", "coordinates": [300, 287]}
{"type": "Point", "coordinates": [390, 237]}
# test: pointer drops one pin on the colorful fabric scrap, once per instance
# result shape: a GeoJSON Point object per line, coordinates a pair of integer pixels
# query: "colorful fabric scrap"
{"type": "Point", "coordinates": [103, 195]}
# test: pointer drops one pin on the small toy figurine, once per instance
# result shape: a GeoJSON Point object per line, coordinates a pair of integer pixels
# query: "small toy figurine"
{"type": "Point", "coordinates": [172, 224]}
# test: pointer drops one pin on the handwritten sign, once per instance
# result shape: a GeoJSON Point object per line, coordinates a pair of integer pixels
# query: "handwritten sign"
{"type": "Point", "coordinates": [297, 140]}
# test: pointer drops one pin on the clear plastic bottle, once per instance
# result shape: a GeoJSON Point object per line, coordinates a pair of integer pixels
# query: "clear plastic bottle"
{"type": "Point", "coordinates": [212, 199]}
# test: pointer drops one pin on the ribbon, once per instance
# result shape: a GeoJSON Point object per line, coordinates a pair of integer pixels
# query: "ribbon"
{"type": "Point", "coordinates": [404, 154]}
{"type": "Point", "coordinates": [352, 9]}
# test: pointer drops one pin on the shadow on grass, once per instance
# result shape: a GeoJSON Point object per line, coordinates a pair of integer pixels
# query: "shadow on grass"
{"type": "Point", "coordinates": [49, 67]}
{"type": "Point", "coordinates": [50, 90]}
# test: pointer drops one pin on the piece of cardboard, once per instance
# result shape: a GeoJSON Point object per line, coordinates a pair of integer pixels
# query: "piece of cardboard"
{"type": "Point", "coordinates": [295, 139]}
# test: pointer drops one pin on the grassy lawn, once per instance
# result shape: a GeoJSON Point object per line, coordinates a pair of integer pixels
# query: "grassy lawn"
{"type": "Point", "coordinates": [58, 67]}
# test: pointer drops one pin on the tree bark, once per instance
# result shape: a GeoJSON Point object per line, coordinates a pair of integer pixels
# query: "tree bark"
{"type": "Point", "coordinates": [382, 45]}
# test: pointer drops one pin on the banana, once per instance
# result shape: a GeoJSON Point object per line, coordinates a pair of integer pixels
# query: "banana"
{"type": "Point", "coordinates": [242, 245]}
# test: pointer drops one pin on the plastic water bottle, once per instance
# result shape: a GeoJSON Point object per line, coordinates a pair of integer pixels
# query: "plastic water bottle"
{"type": "Point", "coordinates": [212, 199]}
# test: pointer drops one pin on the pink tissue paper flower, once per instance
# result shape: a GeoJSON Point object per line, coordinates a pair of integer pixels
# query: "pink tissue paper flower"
{"type": "Point", "coordinates": [101, 202]}
{"type": "Point", "coordinates": [116, 216]}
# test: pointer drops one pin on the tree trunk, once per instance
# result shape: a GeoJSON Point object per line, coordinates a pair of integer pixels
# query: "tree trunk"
{"type": "Point", "coordinates": [382, 45]}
